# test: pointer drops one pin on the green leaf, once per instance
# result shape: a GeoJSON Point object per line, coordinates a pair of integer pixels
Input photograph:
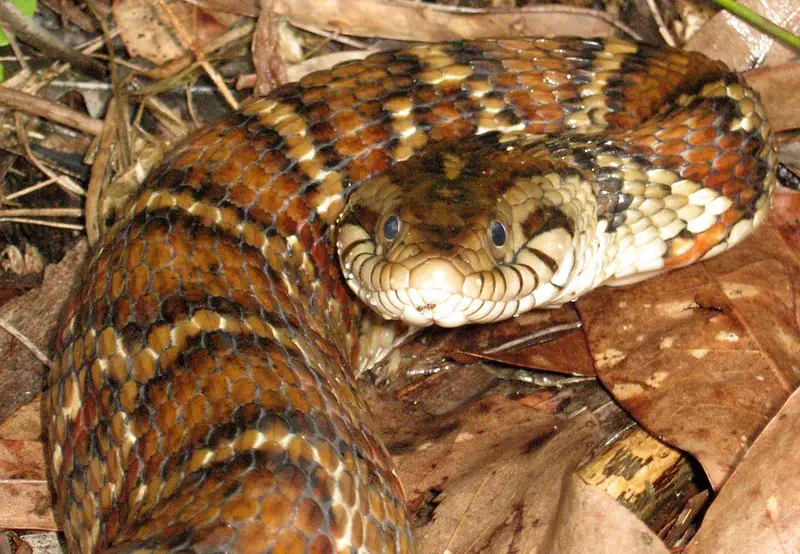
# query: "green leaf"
{"type": "Point", "coordinates": [25, 6]}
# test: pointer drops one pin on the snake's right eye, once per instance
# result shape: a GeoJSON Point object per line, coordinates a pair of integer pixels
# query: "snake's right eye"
{"type": "Point", "coordinates": [391, 227]}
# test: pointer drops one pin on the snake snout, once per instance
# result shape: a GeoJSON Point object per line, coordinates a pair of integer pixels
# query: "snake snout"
{"type": "Point", "coordinates": [436, 275]}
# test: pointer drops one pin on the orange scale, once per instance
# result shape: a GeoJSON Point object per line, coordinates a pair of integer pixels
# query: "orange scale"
{"type": "Point", "coordinates": [349, 145]}
{"type": "Point", "coordinates": [341, 85]}
{"type": "Point", "coordinates": [221, 411]}
{"type": "Point", "coordinates": [670, 147]}
{"type": "Point", "coordinates": [730, 141]}
{"type": "Point", "coordinates": [703, 121]}
{"type": "Point", "coordinates": [674, 133]}
{"type": "Point", "coordinates": [374, 134]}
{"type": "Point", "coordinates": [717, 180]}
{"type": "Point", "coordinates": [298, 208]}
{"type": "Point", "coordinates": [701, 154]}
{"type": "Point", "coordinates": [372, 75]}
{"type": "Point", "coordinates": [145, 308]}
{"type": "Point", "coordinates": [696, 172]}
{"type": "Point", "coordinates": [446, 111]}
{"type": "Point", "coordinates": [744, 168]}
{"type": "Point", "coordinates": [166, 415]}
{"type": "Point", "coordinates": [726, 162]}
{"type": "Point", "coordinates": [272, 400]}
{"type": "Point", "coordinates": [520, 65]}
{"type": "Point", "coordinates": [347, 69]}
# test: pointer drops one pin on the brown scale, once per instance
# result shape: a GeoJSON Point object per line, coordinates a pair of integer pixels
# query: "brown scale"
{"type": "Point", "coordinates": [204, 397]}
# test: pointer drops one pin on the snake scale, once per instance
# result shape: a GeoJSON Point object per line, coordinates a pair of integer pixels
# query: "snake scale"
{"type": "Point", "coordinates": [204, 398]}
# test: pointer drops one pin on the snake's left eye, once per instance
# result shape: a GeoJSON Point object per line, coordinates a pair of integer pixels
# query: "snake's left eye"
{"type": "Point", "coordinates": [391, 227]}
{"type": "Point", "coordinates": [498, 234]}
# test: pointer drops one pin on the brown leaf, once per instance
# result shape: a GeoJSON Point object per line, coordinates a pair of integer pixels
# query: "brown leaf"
{"type": "Point", "coordinates": [785, 216]}
{"type": "Point", "coordinates": [426, 22]}
{"type": "Point", "coordinates": [704, 356]}
{"type": "Point", "coordinates": [537, 340]}
{"type": "Point", "coordinates": [741, 46]}
{"type": "Point", "coordinates": [566, 353]}
{"type": "Point", "coordinates": [492, 482]}
{"type": "Point", "coordinates": [589, 520]}
{"type": "Point", "coordinates": [148, 31]}
{"type": "Point", "coordinates": [35, 314]}
{"type": "Point", "coordinates": [777, 86]}
{"type": "Point", "coordinates": [758, 510]}
{"type": "Point", "coordinates": [25, 504]}
{"type": "Point", "coordinates": [25, 423]}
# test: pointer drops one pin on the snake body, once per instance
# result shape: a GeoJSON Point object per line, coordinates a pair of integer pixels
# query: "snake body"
{"type": "Point", "coordinates": [205, 396]}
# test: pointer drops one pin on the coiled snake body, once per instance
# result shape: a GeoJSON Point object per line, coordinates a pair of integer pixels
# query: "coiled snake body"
{"type": "Point", "coordinates": [205, 397]}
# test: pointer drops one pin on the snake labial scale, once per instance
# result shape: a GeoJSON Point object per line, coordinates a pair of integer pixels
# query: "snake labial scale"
{"type": "Point", "coordinates": [205, 398]}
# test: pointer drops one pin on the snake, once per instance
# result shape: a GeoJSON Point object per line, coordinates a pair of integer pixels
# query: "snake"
{"type": "Point", "coordinates": [204, 396]}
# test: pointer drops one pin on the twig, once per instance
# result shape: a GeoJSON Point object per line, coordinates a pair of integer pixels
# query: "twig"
{"type": "Point", "coordinates": [63, 181]}
{"type": "Point", "coordinates": [100, 172]}
{"type": "Point", "coordinates": [12, 41]}
{"type": "Point", "coordinates": [40, 107]}
{"type": "Point", "coordinates": [42, 212]}
{"type": "Point", "coordinates": [190, 107]}
{"type": "Point", "coordinates": [662, 27]}
{"type": "Point", "coordinates": [30, 189]}
{"type": "Point", "coordinates": [761, 23]}
{"type": "Point", "coordinates": [28, 31]}
{"type": "Point", "coordinates": [43, 223]}
{"type": "Point", "coordinates": [334, 36]}
{"type": "Point", "coordinates": [28, 343]}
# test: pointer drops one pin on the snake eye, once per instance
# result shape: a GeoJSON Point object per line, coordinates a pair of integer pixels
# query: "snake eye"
{"type": "Point", "coordinates": [497, 232]}
{"type": "Point", "coordinates": [391, 227]}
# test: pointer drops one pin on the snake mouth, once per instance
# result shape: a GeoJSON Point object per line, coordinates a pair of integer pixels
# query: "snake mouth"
{"type": "Point", "coordinates": [438, 293]}
{"type": "Point", "coordinates": [425, 307]}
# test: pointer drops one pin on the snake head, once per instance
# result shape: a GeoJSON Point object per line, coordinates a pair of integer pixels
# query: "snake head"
{"type": "Point", "coordinates": [461, 233]}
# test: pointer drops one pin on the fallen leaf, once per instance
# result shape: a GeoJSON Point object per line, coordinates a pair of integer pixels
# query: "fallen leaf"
{"type": "Point", "coordinates": [25, 423]}
{"type": "Point", "coordinates": [22, 460]}
{"type": "Point", "coordinates": [785, 216]}
{"type": "Point", "coordinates": [777, 86]}
{"type": "Point", "coordinates": [703, 356]}
{"type": "Point", "coordinates": [429, 22]}
{"type": "Point", "coordinates": [741, 46]}
{"type": "Point", "coordinates": [758, 510]}
{"type": "Point", "coordinates": [25, 505]}
{"type": "Point", "coordinates": [589, 520]}
{"type": "Point", "coordinates": [149, 32]}
{"type": "Point", "coordinates": [35, 314]}
{"type": "Point", "coordinates": [492, 482]}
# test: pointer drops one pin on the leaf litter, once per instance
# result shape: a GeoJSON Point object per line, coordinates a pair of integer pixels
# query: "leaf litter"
{"type": "Point", "coordinates": [493, 462]}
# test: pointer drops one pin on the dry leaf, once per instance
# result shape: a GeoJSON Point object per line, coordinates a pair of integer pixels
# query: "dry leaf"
{"type": "Point", "coordinates": [785, 216]}
{"type": "Point", "coordinates": [778, 86]}
{"type": "Point", "coordinates": [149, 32]}
{"type": "Point", "coordinates": [704, 356]}
{"type": "Point", "coordinates": [21, 460]}
{"type": "Point", "coordinates": [741, 46]}
{"type": "Point", "coordinates": [758, 510]}
{"type": "Point", "coordinates": [25, 504]}
{"type": "Point", "coordinates": [492, 482]}
{"type": "Point", "coordinates": [25, 423]}
{"type": "Point", "coordinates": [427, 22]}
{"type": "Point", "coordinates": [566, 353]}
{"type": "Point", "coordinates": [591, 521]}
{"type": "Point", "coordinates": [36, 314]}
